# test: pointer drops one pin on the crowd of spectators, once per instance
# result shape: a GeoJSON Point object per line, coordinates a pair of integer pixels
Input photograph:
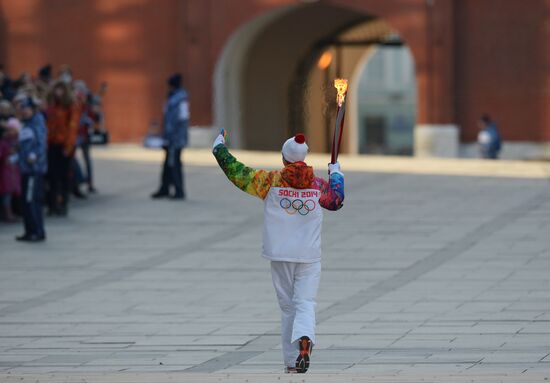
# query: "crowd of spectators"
{"type": "Point", "coordinates": [44, 121]}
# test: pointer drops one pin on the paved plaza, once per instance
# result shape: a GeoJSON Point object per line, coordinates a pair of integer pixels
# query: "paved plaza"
{"type": "Point", "coordinates": [441, 277]}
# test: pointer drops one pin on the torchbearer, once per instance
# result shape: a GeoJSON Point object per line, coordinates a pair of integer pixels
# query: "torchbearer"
{"type": "Point", "coordinates": [293, 198]}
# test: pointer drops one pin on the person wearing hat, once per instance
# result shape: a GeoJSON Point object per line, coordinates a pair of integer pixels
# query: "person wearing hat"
{"type": "Point", "coordinates": [293, 198]}
{"type": "Point", "coordinates": [33, 164]}
{"type": "Point", "coordinates": [175, 125]}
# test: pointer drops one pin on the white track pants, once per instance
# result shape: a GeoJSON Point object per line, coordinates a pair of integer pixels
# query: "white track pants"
{"type": "Point", "coordinates": [296, 285]}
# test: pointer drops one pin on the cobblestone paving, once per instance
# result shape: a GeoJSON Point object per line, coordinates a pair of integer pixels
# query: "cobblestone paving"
{"type": "Point", "coordinates": [425, 278]}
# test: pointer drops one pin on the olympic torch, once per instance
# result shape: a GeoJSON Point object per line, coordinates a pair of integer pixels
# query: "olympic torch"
{"type": "Point", "coordinates": [341, 86]}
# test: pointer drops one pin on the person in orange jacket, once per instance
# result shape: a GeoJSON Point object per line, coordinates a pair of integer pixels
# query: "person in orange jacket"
{"type": "Point", "coordinates": [62, 116]}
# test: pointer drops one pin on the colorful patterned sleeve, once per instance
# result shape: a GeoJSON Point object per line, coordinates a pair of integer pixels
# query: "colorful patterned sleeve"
{"type": "Point", "coordinates": [251, 181]}
{"type": "Point", "coordinates": [332, 192]}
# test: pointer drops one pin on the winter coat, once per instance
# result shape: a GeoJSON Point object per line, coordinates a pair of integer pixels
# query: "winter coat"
{"type": "Point", "coordinates": [176, 120]}
{"type": "Point", "coordinates": [489, 141]}
{"type": "Point", "coordinates": [293, 198]}
{"type": "Point", "coordinates": [63, 125]}
{"type": "Point", "coordinates": [33, 145]}
{"type": "Point", "coordinates": [10, 182]}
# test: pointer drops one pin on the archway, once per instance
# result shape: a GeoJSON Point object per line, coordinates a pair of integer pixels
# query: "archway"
{"type": "Point", "coordinates": [383, 103]}
{"type": "Point", "coordinates": [267, 82]}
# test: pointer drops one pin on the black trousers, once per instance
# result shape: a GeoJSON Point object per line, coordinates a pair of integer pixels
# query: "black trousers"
{"type": "Point", "coordinates": [76, 175]}
{"type": "Point", "coordinates": [59, 167]}
{"type": "Point", "coordinates": [31, 203]}
{"type": "Point", "coordinates": [172, 172]}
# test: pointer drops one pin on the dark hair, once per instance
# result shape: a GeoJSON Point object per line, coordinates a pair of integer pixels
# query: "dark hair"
{"type": "Point", "coordinates": [45, 71]}
{"type": "Point", "coordinates": [67, 99]}
{"type": "Point", "coordinates": [175, 80]}
{"type": "Point", "coordinates": [486, 118]}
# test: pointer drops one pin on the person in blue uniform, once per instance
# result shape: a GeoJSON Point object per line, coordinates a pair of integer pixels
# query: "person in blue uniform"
{"type": "Point", "coordinates": [175, 126]}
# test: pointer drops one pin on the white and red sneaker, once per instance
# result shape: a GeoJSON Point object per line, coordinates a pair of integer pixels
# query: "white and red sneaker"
{"type": "Point", "coordinates": [302, 362]}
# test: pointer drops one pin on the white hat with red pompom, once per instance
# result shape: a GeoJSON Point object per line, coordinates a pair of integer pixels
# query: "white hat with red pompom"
{"type": "Point", "coordinates": [295, 148]}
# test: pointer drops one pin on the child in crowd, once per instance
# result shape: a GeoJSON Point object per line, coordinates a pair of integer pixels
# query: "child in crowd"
{"type": "Point", "coordinates": [10, 184]}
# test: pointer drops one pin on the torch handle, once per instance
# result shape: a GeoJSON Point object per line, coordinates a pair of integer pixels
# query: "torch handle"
{"type": "Point", "coordinates": [338, 130]}
{"type": "Point", "coordinates": [333, 155]}
{"type": "Point", "coordinates": [340, 135]}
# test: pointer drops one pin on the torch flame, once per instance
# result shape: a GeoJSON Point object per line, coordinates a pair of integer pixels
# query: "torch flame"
{"type": "Point", "coordinates": [341, 85]}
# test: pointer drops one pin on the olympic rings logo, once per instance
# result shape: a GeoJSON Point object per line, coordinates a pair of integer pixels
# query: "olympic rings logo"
{"type": "Point", "coordinates": [298, 206]}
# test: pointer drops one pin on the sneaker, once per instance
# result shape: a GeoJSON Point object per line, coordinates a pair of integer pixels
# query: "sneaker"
{"type": "Point", "coordinates": [302, 362]}
{"type": "Point", "coordinates": [291, 370]}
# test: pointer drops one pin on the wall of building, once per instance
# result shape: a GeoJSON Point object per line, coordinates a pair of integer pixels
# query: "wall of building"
{"type": "Point", "coordinates": [471, 56]}
{"type": "Point", "coordinates": [129, 44]}
{"type": "Point", "coordinates": [503, 67]}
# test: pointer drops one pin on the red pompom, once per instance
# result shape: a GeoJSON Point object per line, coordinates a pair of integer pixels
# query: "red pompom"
{"type": "Point", "coordinates": [300, 138]}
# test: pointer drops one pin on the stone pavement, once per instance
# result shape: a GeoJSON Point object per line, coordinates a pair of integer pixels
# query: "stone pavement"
{"type": "Point", "coordinates": [426, 278]}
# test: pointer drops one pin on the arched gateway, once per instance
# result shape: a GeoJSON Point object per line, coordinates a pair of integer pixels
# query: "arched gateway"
{"type": "Point", "coordinates": [272, 78]}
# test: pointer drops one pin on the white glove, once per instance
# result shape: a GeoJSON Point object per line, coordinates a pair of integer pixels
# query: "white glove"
{"type": "Point", "coordinates": [219, 140]}
{"type": "Point", "coordinates": [334, 168]}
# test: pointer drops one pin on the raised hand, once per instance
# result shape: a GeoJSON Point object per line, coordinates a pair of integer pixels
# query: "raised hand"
{"type": "Point", "coordinates": [220, 139]}
{"type": "Point", "coordinates": [334, 168]}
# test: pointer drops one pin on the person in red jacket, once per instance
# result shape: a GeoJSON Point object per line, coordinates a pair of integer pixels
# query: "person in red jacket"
{"type": "Point", "coordinates": [62, 116]}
